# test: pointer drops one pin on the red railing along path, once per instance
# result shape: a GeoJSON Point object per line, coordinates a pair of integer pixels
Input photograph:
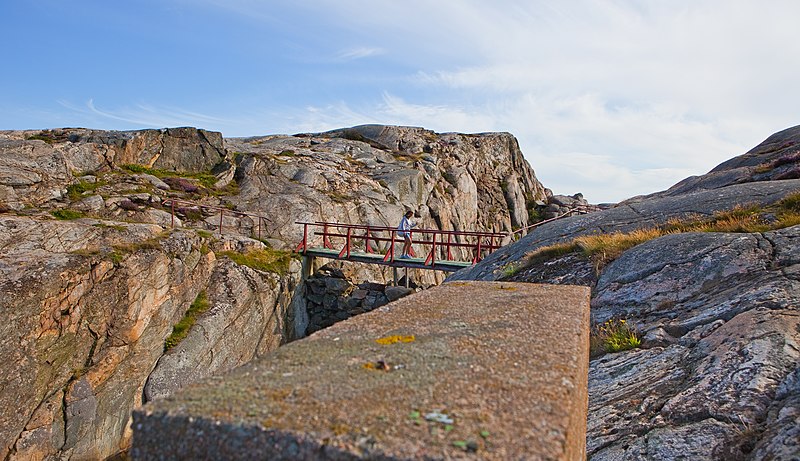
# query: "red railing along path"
{"type": "Point", "coordinates": [436, 240]}
{"type": "Point", "coordinates": [172, 203]}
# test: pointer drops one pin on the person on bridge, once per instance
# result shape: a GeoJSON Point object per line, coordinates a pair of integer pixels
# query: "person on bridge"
{"type": "Point", "coordinates": [405, 232]}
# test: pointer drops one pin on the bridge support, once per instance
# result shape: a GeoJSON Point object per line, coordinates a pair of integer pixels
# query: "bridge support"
{"type": "Point", "coordinates": [395, 274]}
{"type": "Point", "coordinates": [306, 263]}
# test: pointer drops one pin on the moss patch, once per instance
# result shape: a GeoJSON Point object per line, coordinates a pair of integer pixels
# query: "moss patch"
{"type": "Point", "coordinates": [76, 191]}
{"type": "Point", "coordinates": [267, 259]}
{"type": "Point", "coordinates": [181, 329]}
{"type": "Point", "coordinates": [66, 215]}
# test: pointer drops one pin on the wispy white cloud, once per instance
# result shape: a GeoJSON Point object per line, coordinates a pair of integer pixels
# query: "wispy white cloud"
{"type": "Point", "coordinates": [145, 115]}
{"type": "Point", "coordinates": [612, 98]}
{"type": "Point", "coordinates": [351, 54]}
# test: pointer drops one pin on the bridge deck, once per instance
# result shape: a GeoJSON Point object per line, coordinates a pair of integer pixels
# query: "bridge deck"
{"type": "Point", "coordinates": [375, 258]}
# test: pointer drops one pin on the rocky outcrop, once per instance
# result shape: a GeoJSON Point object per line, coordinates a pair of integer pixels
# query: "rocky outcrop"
{"type": "Point", "coordinates": [87, 306]}
{"type": "Point", "coordinates": [95, 293]}
{"type": "Point", "coordinates": [775, 159]}
{"type": "Point", "coordinates": [250, 316]}
{"type": "Point", "coordinates": [371, 174]}
{"type": "Point", "coordinates": [37, 166]}
{"type": "Point", "coordinates": [717, 374]}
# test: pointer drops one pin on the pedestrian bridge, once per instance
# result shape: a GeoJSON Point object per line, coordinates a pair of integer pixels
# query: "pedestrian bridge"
{"type": "Point", "coordinates": [443, 250]}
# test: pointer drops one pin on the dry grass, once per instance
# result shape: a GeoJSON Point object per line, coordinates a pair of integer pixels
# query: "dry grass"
{"type": "Point", "coordinates": [604, 248]}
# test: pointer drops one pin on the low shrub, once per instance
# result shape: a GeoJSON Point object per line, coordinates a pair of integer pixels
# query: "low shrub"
{"type": "Point", "coordinates": [182, 184]}
{"type": "Point", "coordinates": [128, 205]}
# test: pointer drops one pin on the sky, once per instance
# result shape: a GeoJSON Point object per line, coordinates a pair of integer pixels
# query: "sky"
{"type": "Point", "coordinates": [611, 98]}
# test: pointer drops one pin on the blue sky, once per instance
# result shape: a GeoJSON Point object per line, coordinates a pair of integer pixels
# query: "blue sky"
{"type": "Point", "coordinates": [608, 98]}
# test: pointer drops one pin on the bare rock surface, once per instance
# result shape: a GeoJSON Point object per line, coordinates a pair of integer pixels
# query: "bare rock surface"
{"type": "Point", "coordinates": [89, 299]}
{"type": "Point", "coordinates": [87, 306]}
{"type": "Point", "coordinates": [371, 174]}
{"type": "Point", "coordinates": [717, 374]}
{"type": "Point", "coordinates": [436, 375]}
{"type": "Point", "coordinates": [37, 166]}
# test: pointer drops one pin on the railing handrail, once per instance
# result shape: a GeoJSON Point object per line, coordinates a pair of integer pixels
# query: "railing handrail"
{"type": "Point", "coordinates": [413, 230]}
{"type": "Point", "coordinates": [536, 224]}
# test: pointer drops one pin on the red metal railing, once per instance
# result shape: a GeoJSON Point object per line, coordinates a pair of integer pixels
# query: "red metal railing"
{"type": "Point", "coordinates": [443, 241]}
{"type": "Point", "coordinates": [171, 203]}
{"type": "Point", "coordinates": [566, 214]}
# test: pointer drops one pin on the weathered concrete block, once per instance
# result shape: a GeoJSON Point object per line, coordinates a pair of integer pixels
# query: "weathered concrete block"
{"type": "Point", "coordinates": [467, 370]}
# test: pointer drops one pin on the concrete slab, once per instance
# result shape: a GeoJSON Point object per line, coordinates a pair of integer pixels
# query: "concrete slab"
{"type": "Point", "coordinates": [467, 370]}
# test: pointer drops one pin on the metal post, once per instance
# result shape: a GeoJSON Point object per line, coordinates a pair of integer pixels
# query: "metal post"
{"type": "Point", "coordinates": [407, 277]}
{"type": "Point", "coordinates": [221, 212]}
{"type": "Point", "coordinates": [346, 249]}
{"type": "Point", "coordinates": [366, 241]}
{"type": "Point", "coordinates": [326, 243]}
{"type": "Point", "coordinates": [394, 272]}
{"type": "Point", "coordinates": [390, 255]}
{"type": "Point", "coordinates": [173, 214]}
{"type": "Point", "coordinates": [449, 254]}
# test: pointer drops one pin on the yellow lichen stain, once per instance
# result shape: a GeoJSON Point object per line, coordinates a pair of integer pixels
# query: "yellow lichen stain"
{"type": "Point", "coordinates": [380, 365]}
{"type": "Point", "coordinates": [506, 288]}
{"type": "Point", "coordinates": [457, 284]}
{"type": "Point", "coordinates": [385, 341]}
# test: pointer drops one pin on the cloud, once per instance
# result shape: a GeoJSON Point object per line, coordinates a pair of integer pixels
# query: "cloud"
{"type": "Point", "coordinates": [144, 115]}
{"type": "Point", "coordinates": [351, 54]}
{"type": "Point", "coordinates": [609, 97]}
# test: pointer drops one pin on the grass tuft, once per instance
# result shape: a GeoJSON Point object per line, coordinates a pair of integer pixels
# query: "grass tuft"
{"type": "Point", "coordinates": [604, 248]}
{"type": "Point", "coordinates": [613, 335]}
{"type": "Point", "coordinates": [181, 329]}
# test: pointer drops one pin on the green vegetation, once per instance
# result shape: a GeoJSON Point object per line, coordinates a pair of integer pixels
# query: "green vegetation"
{"type": "Point", "coordinates": [204, 234]}
{"type": "Point", "coordinates": [287, 153]}
{"type": "Point", "coordinates": [66, 215]}
{"type": "Point", "coordinates": [510, 269]}
{"type": "Point", "coordinates": [41, 137]}
{"type": "Point", "coordinates": [534, 215]}
{"type": "Point", "coordinates": [267, 259]}
{"type": "Point", "coordinates": [120, 250]}
{"type": "Point", "coordinates": [613, 335]}
{"type": "Point", "coordinates": [75, 191]}
{"type": "Point", "coordinates": [181, 329]}
{"type": "Point", "coordinates": [339, 197]}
